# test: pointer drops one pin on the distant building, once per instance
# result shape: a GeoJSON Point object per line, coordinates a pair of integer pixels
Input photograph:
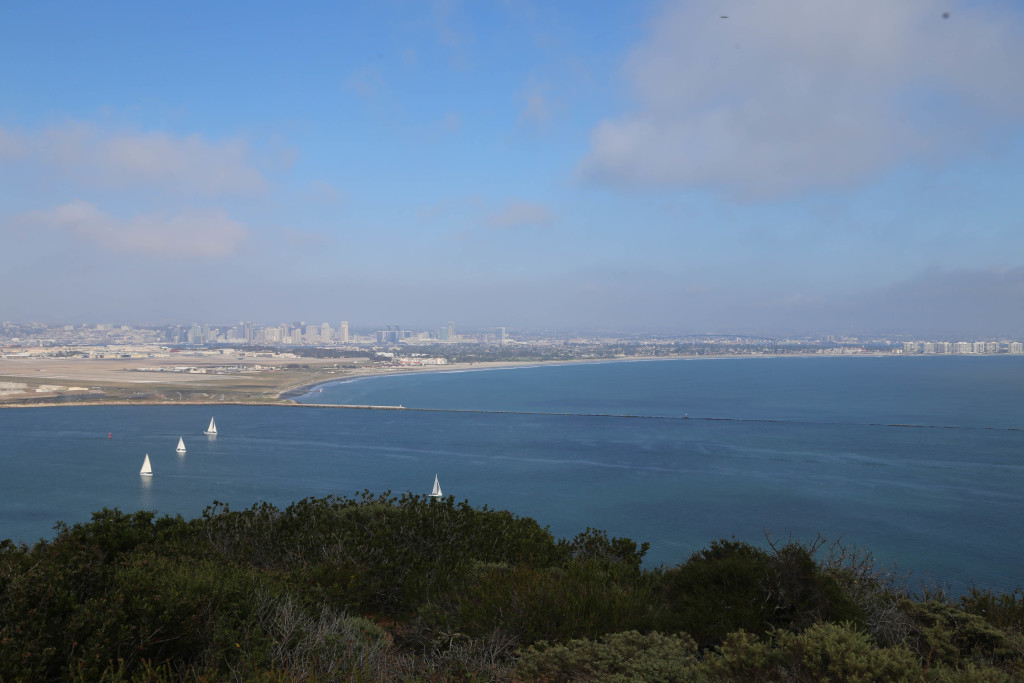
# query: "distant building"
{"type": "Point", "coordinates": [343, 332]}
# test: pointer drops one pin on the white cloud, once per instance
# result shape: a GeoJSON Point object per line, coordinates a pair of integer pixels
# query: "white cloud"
{"type": "Point", "coordinates": [174, 164]}
{"type": "Point", "coordinates": [204, 233]}
{"type": "Point", "coordinates": [788, 95]}
{"type": "Point", "coordinates": [536, 105]}
{"type": "Point", "coordinates": [521, 215]}
{"type": "Point", "coordinates": [366, 82]}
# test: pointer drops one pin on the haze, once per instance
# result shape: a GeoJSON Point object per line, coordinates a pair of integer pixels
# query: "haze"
{"type": "Point", "coordinates": [792, 166]}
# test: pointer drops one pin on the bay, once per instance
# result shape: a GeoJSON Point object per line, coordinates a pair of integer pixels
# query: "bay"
{"type": "Point", "coordinates": [784, 446]}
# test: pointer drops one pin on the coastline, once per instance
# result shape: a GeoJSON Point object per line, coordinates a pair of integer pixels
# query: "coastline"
{"type": "Point", "coordinates": [371, 373]}
{"type": "Point", "coordinates": [284, 394]}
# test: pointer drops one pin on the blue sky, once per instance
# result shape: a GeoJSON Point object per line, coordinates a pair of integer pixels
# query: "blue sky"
{"type": "Point", "coordinates": [846, 167]}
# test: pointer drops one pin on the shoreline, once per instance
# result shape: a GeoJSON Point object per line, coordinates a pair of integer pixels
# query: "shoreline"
{"type": "Point", "coordinates": [286, 395]}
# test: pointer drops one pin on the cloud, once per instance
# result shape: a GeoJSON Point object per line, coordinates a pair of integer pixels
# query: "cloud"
{"type": "Point", "coordinates": [934, 303]}
{"type": "Point", "coordinates": [324, 192]}
{"type": "Point", "coordinates": [10, 146]}
{"type": "Point", "coordinates": [521, 215]}
{"type": "Point", "coordinates": [304, 240]}
{"type": "Point", "coordinates": [952, 302]}
{"type": "Point", "coordinates": [203, 233]}
{"type": "Point", "coordinates": [792, 95]}
{"type": "Point", "coordinates": [366, 82]}
{"type": "Point", "coordinates": [175, 164]}
{"type": "Point", "coordinates": [536, 105]}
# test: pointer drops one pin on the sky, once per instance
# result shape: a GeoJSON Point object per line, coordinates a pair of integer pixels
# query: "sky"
{"type": "Point", "coordinates": [710, 166]}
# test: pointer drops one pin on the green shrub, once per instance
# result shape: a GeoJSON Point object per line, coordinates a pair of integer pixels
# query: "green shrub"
{"type": "Point", "coordinates": [578, 600]}
{"type": "Point", "coordinates": [732, 585]}
{"type": "Point", "coordinates": [1002, 610]}
{"type": "Point", "coordinates": [823, 652]}
{"type": "Point", "coordinates": [949, 636]}
{"type": "Point", "coordinates": [627, 656]}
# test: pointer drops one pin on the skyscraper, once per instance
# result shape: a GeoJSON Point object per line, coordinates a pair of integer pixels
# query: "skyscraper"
{"type": "Point", "coordinates": [451, 331]}
{"type": "Point", "coordinates": [343, 331]}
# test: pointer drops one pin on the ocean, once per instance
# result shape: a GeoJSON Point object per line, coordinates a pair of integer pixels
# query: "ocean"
{"type": "Point", "coordinates": [917, 459]}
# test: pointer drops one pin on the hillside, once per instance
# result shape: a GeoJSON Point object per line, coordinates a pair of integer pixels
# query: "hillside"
{"type": "Point", "coordinates": [386, 587]}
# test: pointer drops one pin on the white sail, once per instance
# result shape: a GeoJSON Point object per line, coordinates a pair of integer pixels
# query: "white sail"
{"type": "Point", "coordinates": [436, 493]}
{"type": "Point", "coordinates": [181, 445]}
{"type": "Point", "coordinates": [147, 469]}
{"type": "Point", "coordinates": [212, 429]}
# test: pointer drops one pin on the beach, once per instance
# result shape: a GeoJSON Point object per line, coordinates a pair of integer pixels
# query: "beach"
{"type": "Point", "coordinates": [141, 381]}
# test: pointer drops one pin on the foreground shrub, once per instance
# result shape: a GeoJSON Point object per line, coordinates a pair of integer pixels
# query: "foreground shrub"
{"type": "Point", "coordinates": [616, 657]}
{"type": "Point", "coordinates": [733, 586]}
{"type": "Point", "coordinates": [948, 636]}
{"type": "Point", "coordinates": [381, 553]}
{"type": "Point", "coordinates": [405, 588]}
{"type": "Point", "coordinates": [1002, 610]}
{"type": "Point", "coordinates": [824, 652]}
{"type": "Point", "coordinates": [581, 599]}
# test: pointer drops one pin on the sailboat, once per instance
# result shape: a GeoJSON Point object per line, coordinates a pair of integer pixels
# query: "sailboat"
{"type": "Point", "coordinates": [147, 469]}
{"type": "Point", "coordinates": [436, 493]}
{"type": "Point", "coordinates": [181, 445]}
{"type": "Point", "coordinates": [212, 429]}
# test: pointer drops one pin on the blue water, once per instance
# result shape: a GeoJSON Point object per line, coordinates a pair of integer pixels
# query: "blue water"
{"type": "Point", "coordinates": [792, 447]}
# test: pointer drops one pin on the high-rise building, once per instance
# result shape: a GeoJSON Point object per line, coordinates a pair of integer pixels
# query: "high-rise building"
{"type": "Point", "coordinates": [343, 332]}
{"type": "Point", "coordinates": [451, 330]}
{"type": "Point", "coordinates": [326, 333]}
{"type": "Point", "coordinates": [501, 335]}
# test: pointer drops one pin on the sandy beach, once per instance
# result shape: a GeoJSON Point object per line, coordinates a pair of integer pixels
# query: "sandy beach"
{"type": "Point", "coordinates": [68, 382]}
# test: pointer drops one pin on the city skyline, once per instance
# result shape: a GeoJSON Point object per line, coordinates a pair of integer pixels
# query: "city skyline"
{"type": "Point", "coordinates": [778, 168]}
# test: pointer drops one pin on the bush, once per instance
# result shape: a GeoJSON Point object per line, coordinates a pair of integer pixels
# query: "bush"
{"type": "Point", "coordinates": [731, 586]}
{"type": "Point", "coordinates": [824, 652]}
{"type": "Point", "coordinates": [531, 604]}
{"type": "Point", "coordinates": [616, 657]}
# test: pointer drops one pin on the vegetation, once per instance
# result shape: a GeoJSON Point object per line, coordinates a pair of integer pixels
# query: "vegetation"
{"type": "Point", "coordinates": [385, 587]}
